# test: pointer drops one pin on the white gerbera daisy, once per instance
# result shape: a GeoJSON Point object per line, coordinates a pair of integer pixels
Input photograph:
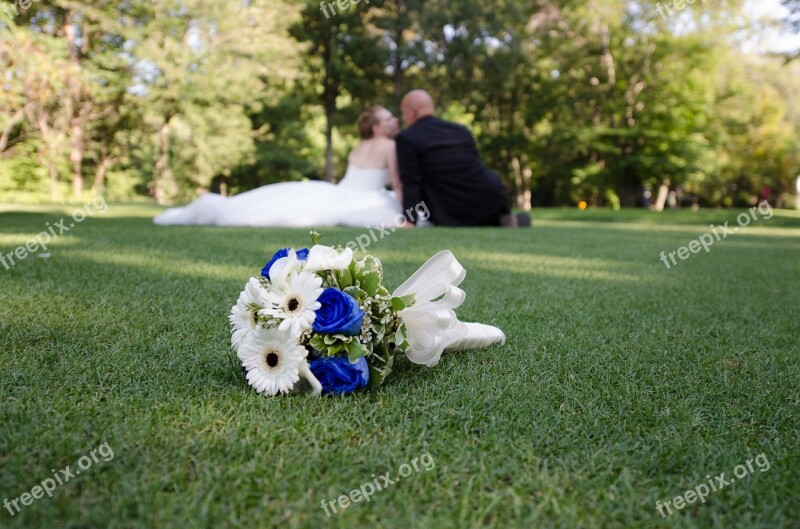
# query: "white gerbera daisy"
{"type": "Point", "coordinates": [272, 359]}
{"type": "Point", "coordinates": [293, 299]}
{"type": "Point", "coordinates": [243, 314]}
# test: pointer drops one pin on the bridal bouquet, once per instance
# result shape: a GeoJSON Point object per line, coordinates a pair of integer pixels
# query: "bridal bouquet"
{"type": "Point", "coordinates": [318, 318]}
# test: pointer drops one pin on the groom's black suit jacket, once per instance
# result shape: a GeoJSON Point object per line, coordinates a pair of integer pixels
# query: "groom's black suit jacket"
{"type": "Point", "coordinates": [440, 165]}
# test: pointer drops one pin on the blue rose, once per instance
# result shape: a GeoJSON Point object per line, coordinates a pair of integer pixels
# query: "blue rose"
{"type": "Point", "coordinates": [339, 313]}
{"type": "Point", "coordinates": [338, 376]}
{"type": "Point", "coordinates": [302, 254]}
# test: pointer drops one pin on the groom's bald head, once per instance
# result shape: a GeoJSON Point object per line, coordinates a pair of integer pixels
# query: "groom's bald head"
{"type": "Point", "coordinates": [416, 105]}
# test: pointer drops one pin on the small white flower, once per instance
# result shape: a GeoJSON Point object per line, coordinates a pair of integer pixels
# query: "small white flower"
{"type": "Point", "coordinates": [293, 299]}
{"type": "Point", "coordinates": [273, 360]}
{"type": "Point", "coordinates": [243, 316]}
{"type": "Point", "coordinates": [326, 258]}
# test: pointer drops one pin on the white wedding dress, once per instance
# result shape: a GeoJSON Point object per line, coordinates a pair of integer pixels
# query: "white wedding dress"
{"type": "Point", "coordinates": [360, 199]}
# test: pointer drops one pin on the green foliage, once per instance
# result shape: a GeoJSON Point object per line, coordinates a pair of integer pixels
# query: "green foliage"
{"type": "Point", "coordinates": [283, 147]}
{"type": "Point", "coordinates": [569, 100]}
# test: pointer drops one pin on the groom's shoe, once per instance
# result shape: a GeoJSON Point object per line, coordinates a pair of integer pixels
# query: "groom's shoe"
{"type": "Point", "coordinates": [519, 220]}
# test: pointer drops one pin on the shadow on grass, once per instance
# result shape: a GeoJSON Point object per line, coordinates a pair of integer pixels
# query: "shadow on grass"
{"type": "Point", "coordinates": [155, 299]}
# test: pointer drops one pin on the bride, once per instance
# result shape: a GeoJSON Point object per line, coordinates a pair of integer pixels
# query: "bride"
{"type": "Point", "coordinates": [361, 198]}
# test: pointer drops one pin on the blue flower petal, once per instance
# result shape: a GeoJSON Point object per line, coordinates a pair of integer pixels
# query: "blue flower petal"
{"type": "Point", "coordinates": [338, 376]}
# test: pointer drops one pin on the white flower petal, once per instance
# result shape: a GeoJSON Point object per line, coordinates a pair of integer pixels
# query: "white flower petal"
{"type": "Point", "coordinates": [293, 300]}
{"type": "Point", "coordinates": [326, 258]}
{"type": "Point", "coordinates": [283, 267]}
{"type": "Point", "coordinates": [241, 318]}
{"type": "Point", "coordinates": [288, 355]}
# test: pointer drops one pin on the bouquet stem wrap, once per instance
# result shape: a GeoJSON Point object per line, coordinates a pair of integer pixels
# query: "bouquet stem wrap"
{"type": "Point", "coordinates": [431, 322]}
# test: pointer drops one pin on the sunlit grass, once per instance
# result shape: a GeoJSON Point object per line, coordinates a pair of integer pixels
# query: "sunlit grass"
{"type": "Point", "coordinates": [621, 383]}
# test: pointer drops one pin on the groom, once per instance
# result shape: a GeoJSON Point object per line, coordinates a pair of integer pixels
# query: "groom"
{"type": "Point", "coordinates": [440, 166]}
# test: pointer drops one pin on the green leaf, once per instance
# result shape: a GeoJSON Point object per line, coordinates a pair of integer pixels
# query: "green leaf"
{"type": "Point", "coordinates": [377, 336]}
{"type": "Point", "coordinates": [380, 366]}
{"type": "Point", "coordinates": [318, 342]}
{"type": "Point", "coordinates": [356, 350]}
{"type": "Point", "coordinates": [357, 293]}
{"type": "Point", "coordinates": [370, 281]}
{"type": "Point", "coordinates": [343, 278]}
{"type": "Point", "coordinates": [372, 264]}
{"type": "Point", "coordinates": [407, 301]}
{"type": "Point", "coordinates": [401, 339]}
{"type": "Point", "coordinates": [398, 304]}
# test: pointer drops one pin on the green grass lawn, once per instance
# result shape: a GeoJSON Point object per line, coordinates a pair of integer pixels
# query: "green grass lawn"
{"type": "Point", "coordinates": [621, 383]}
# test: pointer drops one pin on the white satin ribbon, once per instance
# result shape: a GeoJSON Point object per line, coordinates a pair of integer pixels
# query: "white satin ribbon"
{"type": "Point", "coordinates": [431, 322]}
{"type": "Point", "coordinates": [305, 372]}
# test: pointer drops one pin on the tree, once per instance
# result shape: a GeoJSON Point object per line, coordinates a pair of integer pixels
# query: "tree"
{"type": "Point", "coordinates": [792, 22]}
{"type": "Point", "coordinates": [199, 67]}
{"type": "Point", "coordinates": [35, 89]}
{"type": "Point", "coordinates": [342, 58]}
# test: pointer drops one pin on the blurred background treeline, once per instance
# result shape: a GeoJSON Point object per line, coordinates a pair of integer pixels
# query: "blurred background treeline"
{"type": "Point", "coordinates": [570, 100]}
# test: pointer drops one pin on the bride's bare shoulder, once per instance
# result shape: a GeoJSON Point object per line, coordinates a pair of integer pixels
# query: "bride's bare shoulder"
{"type": "Point", "coordinates": [374, 143]}
{"type": "Point", "coordinates": [380, 146]}
{"type": "Point", "coordinates": [386, 144]}
{"type": "Point", "coordinates": [383, 141]}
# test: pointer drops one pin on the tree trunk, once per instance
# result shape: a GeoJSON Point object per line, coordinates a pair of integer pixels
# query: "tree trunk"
{"type": "Point", "coordinates": [522, 181]}
{"type": "Point", "coordinates": [76, 113]}
{"type": "Point", "coordinates": [76, 155]}
{"type": "Point", "coordinates": [106, 163]}
{"type": "Point", "coordinates": [398, 81]}
{"type": "Point", "coordinates": [329, 144]}
{"type": "Point", "coordinates": [661, 199]}
{"type": "Point", "coordinates": [13, 122]}
{"type": "Point", "coordinates": [51, 166]}
{"type": "Point", "coordinates": [518, 183]}
{"type": "Point", "coordinates": [329, 100]}
{"type": "Point", "coordinates": [162, 172]}
{"type": "Point", "coordinates": [49, 153]}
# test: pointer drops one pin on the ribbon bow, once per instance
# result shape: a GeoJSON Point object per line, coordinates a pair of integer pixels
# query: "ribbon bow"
{"type": "Point", "coordinates": [431, 322]}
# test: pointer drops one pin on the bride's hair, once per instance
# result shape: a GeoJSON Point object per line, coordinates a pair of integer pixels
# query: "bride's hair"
{"type": "Point", "coordinates": [367, 120]}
